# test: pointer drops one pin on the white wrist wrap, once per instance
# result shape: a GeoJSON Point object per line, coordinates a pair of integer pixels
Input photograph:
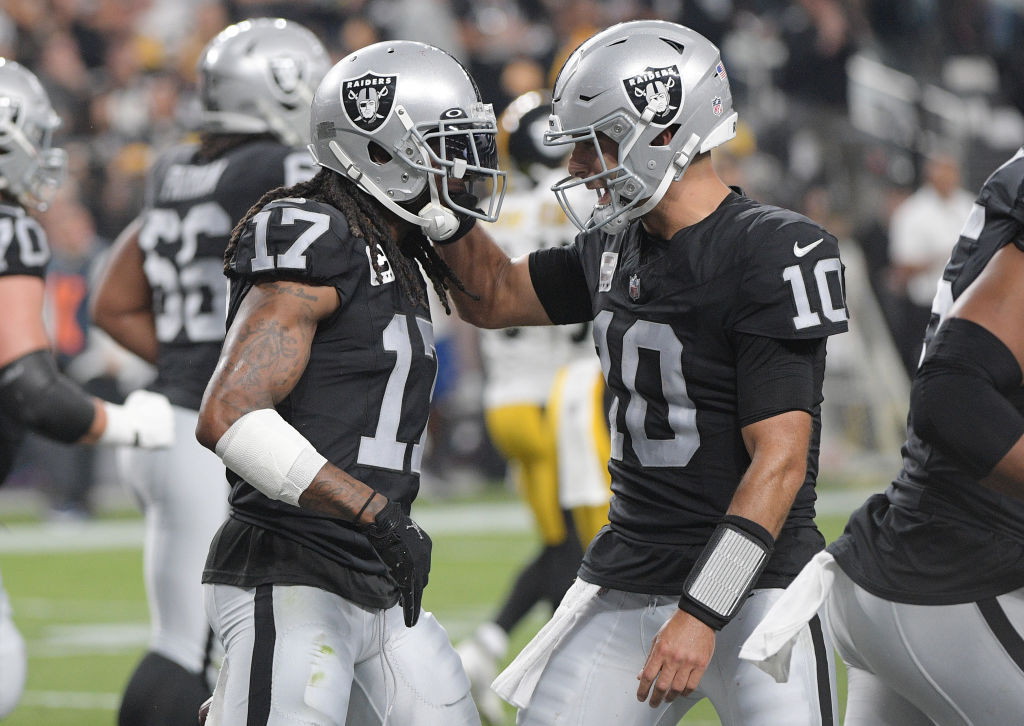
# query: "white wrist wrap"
{"type": "Point", "coordinates": [267, 451]}
{"type": "Point", "coordinates": [119, 429]}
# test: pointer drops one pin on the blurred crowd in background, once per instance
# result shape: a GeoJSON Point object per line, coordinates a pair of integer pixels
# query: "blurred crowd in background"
{"type": "Point", "coordinates": [869, 116]}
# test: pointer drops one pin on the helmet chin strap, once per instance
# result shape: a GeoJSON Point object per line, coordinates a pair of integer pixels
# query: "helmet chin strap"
{"type": "Point", "coordinates": [437, 221]}
{"type": "Point", "coordinates": [440, 221]}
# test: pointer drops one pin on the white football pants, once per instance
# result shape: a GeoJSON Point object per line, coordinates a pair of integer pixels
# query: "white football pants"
{"type": "Point", "coordinates": [919, 665]}
{"type": "Point", "coordinates": [591, 678]}
{"type": "Point", "coordinates": [13, 659]}
{"type": "Point", "coordinates": [184, 497]}
{"type": "Point", "coordinates": [297, 655]}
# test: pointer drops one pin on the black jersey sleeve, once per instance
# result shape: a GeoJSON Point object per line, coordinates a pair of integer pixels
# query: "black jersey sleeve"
{"type": "Point", "coordinates": [793, 286]}
{"type": "Point", "coordinates": [561, 285]}
{"type": "Point", "coordinates": [23, 246]}
{"type": "Point", "coordinates": [299, 240]}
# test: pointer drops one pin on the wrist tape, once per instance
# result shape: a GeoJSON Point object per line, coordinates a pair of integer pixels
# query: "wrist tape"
{"type": "Point", "coordinates": [728, 567]}
{"type": "Point", "coordinates": [267, 451]}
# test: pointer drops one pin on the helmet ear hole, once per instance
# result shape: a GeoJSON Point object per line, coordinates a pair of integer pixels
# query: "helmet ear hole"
{"type": "Point", "coordinates": [378, 154]}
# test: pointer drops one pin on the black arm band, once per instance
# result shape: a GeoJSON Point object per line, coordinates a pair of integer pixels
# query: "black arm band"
{"type": "Point", "coordinates": [35, 393]}
{"type": "Point", "coordinates": [728, 568]}
{"type": "Point", "coordinates": [959, 402]}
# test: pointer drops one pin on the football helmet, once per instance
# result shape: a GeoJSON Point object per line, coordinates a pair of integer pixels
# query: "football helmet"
{"type": "Point", "coordinates": [630, 83]}
{"type": "Point", "coordinates": [258, 76]}
{"type": "Point", "coordinates": [31, 169]}
{"type": "Point", "coordinates": [521, 129]}
{"type": "Point", "coordinates": [403, 119]}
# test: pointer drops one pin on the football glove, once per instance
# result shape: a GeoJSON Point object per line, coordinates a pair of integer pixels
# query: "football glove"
{"type": "Point", "coordinates": [405, 550]}
{"type": "Point", "coordinates": [145, 420]}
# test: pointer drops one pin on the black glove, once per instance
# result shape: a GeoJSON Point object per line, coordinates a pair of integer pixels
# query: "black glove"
{"type": "Point", "coordinates": [405, 550]}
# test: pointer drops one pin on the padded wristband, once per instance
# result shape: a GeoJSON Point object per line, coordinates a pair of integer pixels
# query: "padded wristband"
{"type": "Point", "coordinates": [267, 451]}
{"type": "Point", "coordinates": [728, 567]}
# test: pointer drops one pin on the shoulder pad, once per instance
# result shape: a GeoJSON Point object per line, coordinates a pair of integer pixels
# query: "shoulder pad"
{"type": "Point", "coordinates": [793, 284]}
{"type": "Point", "coordinates": [295, 239]}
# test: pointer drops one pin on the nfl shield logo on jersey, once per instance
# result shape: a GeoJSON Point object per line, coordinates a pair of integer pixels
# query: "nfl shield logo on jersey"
{"type": "Point", "coordinates": [634, 287]}
{"type": "Point", "coordinates": [387, 274]}
{"type": "Point", "coordinates": [368, 99]}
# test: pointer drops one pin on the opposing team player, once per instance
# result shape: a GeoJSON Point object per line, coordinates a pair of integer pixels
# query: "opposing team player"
{"type": "Point", "coordinates": [320, 398]}
{"type": "Point", "coordinates": [33, 394]}
{"type": "Point", "coordinates": [711, 313]}
{"type": "Point", "coordinates": [524, 410]}
{"type": "Point", "coordinates": [924, 591]}
{"type": "Point", "coordinates": [163, 297]}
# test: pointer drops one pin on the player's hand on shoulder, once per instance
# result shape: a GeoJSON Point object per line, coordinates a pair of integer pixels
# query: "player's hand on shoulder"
{"type": "Point", "coordinates": [679, 655]}
{"type": "Point", "coordinates": [405, 550]}
{"type": "Point", "coordinates": [146, 420]}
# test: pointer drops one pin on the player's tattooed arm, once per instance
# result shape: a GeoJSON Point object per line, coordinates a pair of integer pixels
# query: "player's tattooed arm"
{"type": "Point", "coordinates": [264, 355]}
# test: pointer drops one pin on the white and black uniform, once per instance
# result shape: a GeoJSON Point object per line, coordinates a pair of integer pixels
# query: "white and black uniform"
{"type": "Point", "coordinates": [928, 610]}
{"type": "Point", "coordinates": [304, 606]}
{"type": "Point", "coordinates": [23, 251]}
{"type": "Point", "coordinates": [191, 208]}
{"type": "Point", "coordinates": [689, 332]}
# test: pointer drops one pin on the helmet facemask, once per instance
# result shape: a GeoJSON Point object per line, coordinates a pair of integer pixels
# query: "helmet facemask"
{"type": "Point", "coordinates": [463, 160]}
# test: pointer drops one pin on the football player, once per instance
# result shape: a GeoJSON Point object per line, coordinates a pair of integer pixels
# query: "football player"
{"type": "Point", "coordinates": [926, 604]}
{"type": "Point", "coordinates": [163, 296]}
{"type": "Point", "coordinates": [524, 411]}
{"type": "Point", "coordinates": [33, 393]}
{"type": "Point", "coordinates": [319, 401]}
{"type": "Point", "coordinates": [711, 313]}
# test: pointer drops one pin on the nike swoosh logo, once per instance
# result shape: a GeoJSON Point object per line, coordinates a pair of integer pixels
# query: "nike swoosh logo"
{"type": "Point", "coordinates": [801, 251]}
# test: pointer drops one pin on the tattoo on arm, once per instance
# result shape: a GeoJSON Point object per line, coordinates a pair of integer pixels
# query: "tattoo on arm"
{"type": "Point", "coordinates": [337, 494]}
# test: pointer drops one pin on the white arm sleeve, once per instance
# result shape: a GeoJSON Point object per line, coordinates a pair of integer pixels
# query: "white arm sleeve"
{"type": "Point", "coordinates": [267, 451]}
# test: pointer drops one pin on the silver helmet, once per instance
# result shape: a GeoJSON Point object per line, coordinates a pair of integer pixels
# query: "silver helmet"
{"type": "Point", "coordinates": [258, 76]}
{"type": "Point", "coordinates": [630, 83]}
{"type": "Point", "coordinates": [31, 170]}
{"type": "Point", "coordinates": [403, 119]}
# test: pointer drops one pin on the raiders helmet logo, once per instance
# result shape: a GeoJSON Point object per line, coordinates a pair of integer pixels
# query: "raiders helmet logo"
{"type": "Point", "coordinates": [658, 88]}
{"type": "Point", "coordinates": [286, 73]}
{"type": "Point", "coordinates": [368, 99]}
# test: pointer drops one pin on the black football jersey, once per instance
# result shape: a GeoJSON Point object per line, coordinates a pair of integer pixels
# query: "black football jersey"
{"type": "Point", "coordinates": [23, 251]}
{"type": "Point", "coordinates": [23, 246]}
{"type": "Point", "coordinates": [936, 536]}
{"type": "Point", "coordinates": [665, 315]}
{"type": "Point", "coordinates": [191, 208]}
{"type": "Point", "coordinates": [362, 402]}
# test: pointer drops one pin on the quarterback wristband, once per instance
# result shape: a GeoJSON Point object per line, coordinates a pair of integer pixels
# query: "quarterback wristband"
{"type": "Point", "coordinates": [728, 567]}
{"type": "Point", "coordinates": [267, 451]}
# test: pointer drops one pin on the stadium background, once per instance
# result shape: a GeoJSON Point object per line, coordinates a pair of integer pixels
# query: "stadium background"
{"type": "Point", "coordinates": [840, 102]}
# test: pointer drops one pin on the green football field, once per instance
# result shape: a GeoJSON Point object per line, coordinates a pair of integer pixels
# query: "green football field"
{"type": "Point", "coordinates": [79, 601]}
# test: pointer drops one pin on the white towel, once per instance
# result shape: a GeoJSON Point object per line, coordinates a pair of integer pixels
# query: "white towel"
{"type": "Point", "coordinates": [517, 682]}
{"type": "Point", "coordinates": [770, 646]}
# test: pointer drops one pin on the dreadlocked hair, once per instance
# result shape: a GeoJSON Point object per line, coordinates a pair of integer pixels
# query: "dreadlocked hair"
{"type": "Point", "coordinates": [213, 146]}
{"type": "Point", "coordinates": [367, 221]}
